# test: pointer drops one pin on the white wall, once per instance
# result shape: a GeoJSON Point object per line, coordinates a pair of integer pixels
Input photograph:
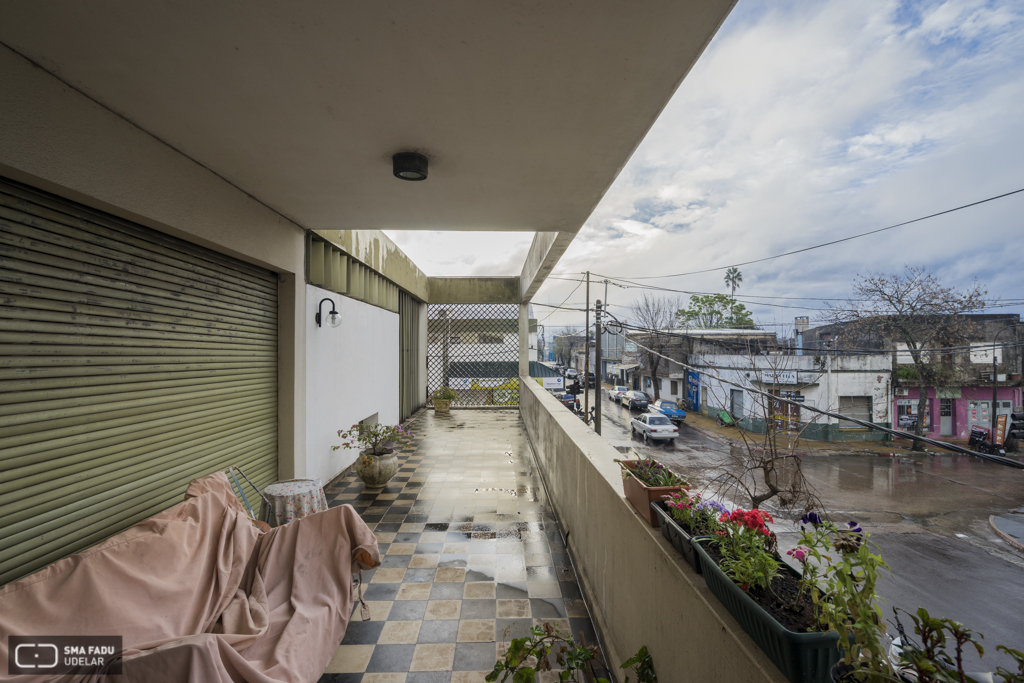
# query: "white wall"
{"type": "Point", "coordinates": [353, 373]}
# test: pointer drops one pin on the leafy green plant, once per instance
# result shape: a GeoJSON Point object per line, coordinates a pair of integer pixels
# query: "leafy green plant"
{"type": "Point", "coordinates": [653, 473]}
{"type": "Point", "coordinates": [642, 666]}
{"type": "Point", "coordinates": [445, 394]}
{"type": "Point", "coordinates": [930, 661]}
{"type": "Point", "coordinates": [1012, 676]}
{"type": "Point", "coordinates": [845, 599]}
{"type": "Point", "coordinates": [526, 657]}
{"type": "Point", "coordinates": [747, 547]}
{"type": "Point", "coordinates": [377, 438]}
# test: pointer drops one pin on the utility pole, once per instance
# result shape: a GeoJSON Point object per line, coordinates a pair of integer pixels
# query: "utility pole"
{"type": "Point", "coordinates": [586, 357]}
{"type": "Point", "coordinates": [600, 361]}
{"type": "Point", "coordinates": [597, 354]}
{"type": "Point", "coordinates": [995, 384]}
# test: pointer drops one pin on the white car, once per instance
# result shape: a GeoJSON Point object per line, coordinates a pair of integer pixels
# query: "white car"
{"type": "Point", "coordinates": [653, 426]}
{"type": "Point", "coordinates": [571, 374]}
{"type": "Point", "coordinates": [615, 393]}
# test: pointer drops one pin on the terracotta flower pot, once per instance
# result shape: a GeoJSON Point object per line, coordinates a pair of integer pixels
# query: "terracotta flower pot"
{"type": "Point", "coordinates": [376, 470]}
{"type": "Point", "coordinates": [642, 496]}
{"type": "Point", "coordinates": [441, 405]}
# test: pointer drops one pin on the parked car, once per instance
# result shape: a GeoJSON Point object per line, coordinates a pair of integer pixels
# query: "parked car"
{"type": "Point", "coordinates": [636, 399]}
{"type": "Point", "coordinates": [653, 426]}
{"type": "Point", "coordinates": [569, 401]}
{"type": "Point", "coordinates": [669, 409]}
{"type": "Point", "coordinates": [591, 379]}
{"type": "Point", "coordinates": [908, 422]}
{"type": "Point", "coordinates": [571, 374]}
{"type": "Point", "coordinates": [615, 394]}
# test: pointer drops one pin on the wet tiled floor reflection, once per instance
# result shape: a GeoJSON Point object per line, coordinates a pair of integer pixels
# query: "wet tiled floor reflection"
{"type": "Point", "coordinates": [472, 556]}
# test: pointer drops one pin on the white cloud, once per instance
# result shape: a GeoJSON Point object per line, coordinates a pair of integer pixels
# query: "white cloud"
{"type": "Point", "coordinates": [807, 122]}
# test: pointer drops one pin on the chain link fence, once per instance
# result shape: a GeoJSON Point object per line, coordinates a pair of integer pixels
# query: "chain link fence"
{"type": "Point", "coordinates": [474, 349]}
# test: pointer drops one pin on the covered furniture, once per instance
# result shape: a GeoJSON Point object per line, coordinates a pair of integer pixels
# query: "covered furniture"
{"type": "Point", "coordinates": [198, 593]}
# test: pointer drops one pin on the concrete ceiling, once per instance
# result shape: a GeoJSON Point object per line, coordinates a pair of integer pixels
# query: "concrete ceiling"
{"type": "Point", "coordinates": [527, 110]}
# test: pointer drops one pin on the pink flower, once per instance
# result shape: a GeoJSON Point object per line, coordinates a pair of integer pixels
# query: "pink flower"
{"type": "Point", "coordinates": [800, 554]}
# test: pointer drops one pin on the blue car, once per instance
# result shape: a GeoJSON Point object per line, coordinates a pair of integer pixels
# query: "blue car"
{"type": "Point", "coordinates": [669, 409]}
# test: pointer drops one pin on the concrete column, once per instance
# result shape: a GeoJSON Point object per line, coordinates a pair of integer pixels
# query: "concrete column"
{"type": "Point", "coordinates": [524, 340]}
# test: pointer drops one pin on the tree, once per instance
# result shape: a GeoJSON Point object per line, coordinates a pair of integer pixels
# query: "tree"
{"type": "Point", "coordinates": [655, 316]}
{"type": "Point", "coordinates": [915, 309]}
{"type": "Point", "coordinates": [714, 311]}
{"type": "Point", "coordinates": [733, 279]}
{"type": "Point", "coordinates": [764, 466]}
{"type": "Point", "coordinates": [565, 345]}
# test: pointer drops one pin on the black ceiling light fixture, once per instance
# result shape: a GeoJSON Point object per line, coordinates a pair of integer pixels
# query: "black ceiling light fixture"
{"type": "Point", "coordinates": [410, 166]}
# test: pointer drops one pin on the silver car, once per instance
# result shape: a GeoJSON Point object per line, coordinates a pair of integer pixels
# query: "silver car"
{"type": "Point", "coordinates": [653, 426]}
{"type": "Point", "coordinates": [615, 393]}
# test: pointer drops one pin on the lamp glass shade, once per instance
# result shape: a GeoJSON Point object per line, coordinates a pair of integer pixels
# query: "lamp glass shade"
{"type": "Point", "coordinates": [334, 319]}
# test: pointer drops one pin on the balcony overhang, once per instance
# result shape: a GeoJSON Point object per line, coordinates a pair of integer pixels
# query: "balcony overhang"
{"type": "Point", "coordinates": [526, 111]}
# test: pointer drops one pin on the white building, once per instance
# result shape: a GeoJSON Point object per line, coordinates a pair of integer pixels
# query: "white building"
{"type": "Point", "coordinates": [855, 386]}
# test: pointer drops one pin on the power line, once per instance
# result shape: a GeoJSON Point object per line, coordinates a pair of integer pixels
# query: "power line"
{"type": "Point", "coordinates": [850, 350]}
{"type": "Point", "coordinates": [870, 425]}
{"type": "Point", "coordinates": [566, 299]}
{"type": "Point", "coordinates": [828, 244]}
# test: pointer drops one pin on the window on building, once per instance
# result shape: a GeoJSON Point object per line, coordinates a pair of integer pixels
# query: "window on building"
{"type": "Point", "coordinates": [490, 339]}
{"type": "Point", "coordinates": [945, 407]}
{"type": "Point", "coordinates": [857, 407]}
{"type": "Point", "coordinates": [675, 388]}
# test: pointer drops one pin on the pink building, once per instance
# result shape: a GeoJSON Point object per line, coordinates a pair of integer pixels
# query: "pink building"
{"type": "Point", "coordinates": [953, 412]}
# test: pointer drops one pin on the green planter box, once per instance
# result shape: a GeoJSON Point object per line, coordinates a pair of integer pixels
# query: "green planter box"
{"type": "Point", "coordinates": [802, 657]}
{"type": "Point", "coordinates": [676, 535]}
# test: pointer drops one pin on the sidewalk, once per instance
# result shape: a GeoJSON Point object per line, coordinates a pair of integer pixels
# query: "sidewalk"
{"type": "Point", "coordinates": [1010, 528]}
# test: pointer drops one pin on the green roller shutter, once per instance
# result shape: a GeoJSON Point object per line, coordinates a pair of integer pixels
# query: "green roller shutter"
{"type": "Point", "coordinates": [130, 363]}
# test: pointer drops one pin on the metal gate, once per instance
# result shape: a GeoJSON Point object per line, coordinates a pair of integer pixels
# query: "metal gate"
{"type": "Point", "coordinates": [130, 363]}
{"type": "Point", "coordinates": [474, 349]}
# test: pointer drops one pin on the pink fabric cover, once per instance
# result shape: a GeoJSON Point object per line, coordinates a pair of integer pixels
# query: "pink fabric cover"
{"type": "Point", "coordinates": [198, 593]}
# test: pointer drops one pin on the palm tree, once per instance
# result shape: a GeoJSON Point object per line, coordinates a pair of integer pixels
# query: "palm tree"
{"type": "Point", "coordinates": [733, 279]}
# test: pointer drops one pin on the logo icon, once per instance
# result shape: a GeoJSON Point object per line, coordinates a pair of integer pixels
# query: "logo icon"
{"type": "Point", "coordinates": [36, 656]}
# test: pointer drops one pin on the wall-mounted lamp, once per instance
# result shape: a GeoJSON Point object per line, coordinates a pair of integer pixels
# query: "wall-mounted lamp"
{"type": "Point", "coordinates": [333, 318]}
{"type": "Point", "coordinates": [409, 166]}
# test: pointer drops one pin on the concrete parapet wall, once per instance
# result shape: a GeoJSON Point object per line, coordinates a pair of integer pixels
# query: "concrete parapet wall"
{"type": "Point", "coordinates": [473, 290]}
{"type": "Point", "coordinates": [638, 588]}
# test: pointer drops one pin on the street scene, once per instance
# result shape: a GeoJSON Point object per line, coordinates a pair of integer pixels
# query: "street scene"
{"type": "Point", "coordinates": [927, 513]}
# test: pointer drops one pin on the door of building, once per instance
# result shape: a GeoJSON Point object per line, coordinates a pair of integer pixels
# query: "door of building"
{"type": "Point", "coordinates": [130, 363]}
{"type": "Point", "coordinates": [946, 417]}
{"type": "Point", "coordinates": [736, 404]}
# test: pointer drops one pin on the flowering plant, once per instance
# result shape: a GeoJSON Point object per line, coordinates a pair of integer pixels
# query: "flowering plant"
{"type": "Point", "coordinates": [699, 517]}
{"type": "Point", "coordinates": [748, 548]}
{"type": "Point", "coordinates": [844, 595]}
{"type": "Point", "coordinates": [376, 438]}
{"type": "Point", "coordinates": [654, 474]}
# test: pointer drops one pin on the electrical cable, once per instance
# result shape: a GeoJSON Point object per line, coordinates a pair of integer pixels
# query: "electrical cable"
{"type": "Point", "coordinates": [828, 244]}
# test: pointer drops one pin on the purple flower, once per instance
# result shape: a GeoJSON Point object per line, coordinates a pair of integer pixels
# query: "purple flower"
{"type": "Point", "coordinates": [853, 528]}
{"type": "Point", "coordinates": [712, 505]}
{"type": "Point", "coordinates": [812, 518]}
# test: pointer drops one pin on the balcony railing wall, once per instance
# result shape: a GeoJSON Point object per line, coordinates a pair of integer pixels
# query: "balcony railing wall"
{"type": "Point", "coordinates": [638, 589]}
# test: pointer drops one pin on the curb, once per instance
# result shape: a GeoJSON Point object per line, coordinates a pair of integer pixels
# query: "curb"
{"type": "Point", "coordinates": [1014, 543]}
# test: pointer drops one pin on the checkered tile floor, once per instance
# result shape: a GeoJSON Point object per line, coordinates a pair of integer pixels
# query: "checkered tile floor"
{"type": "Point", "coordinates": [472, 556]}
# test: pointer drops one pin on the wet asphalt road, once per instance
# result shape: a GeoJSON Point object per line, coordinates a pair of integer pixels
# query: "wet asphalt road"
{"type": "Point", "coordinates": [928, 514]}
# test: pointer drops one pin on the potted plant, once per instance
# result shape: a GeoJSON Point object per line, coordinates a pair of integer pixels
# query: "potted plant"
{"type": "Point", "coordinates": [684, 518]}
{"type": "Point", "coordinates": [443, 398]}
{"type": "Point", "coordinates": [377, 462]}
{"type": "Point", "coordinates": [526, 657]}
{"type": "Point", "coordinates": [645, 481]}
{"type": "Point", "coordinates": [771, 601]}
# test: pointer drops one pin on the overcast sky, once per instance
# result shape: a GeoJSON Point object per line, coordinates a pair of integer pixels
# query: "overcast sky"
{"type": "Point", "coordinates": [805, 122]}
